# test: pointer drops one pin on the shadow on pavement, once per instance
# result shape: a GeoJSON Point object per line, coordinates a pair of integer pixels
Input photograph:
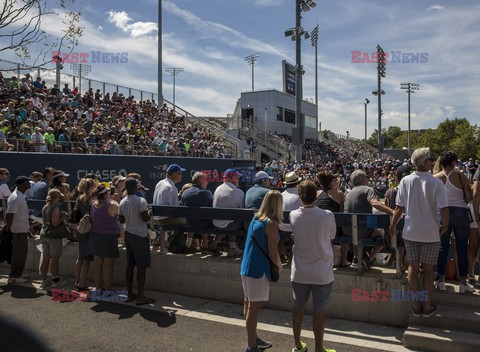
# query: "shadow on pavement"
{"type": "Point", "coordinates": [161, 317]}
{"type": "Point", "coordinates": [18, 291]}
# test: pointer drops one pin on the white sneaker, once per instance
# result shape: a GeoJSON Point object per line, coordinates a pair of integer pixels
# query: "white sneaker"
{"type": "Point", "coordinates": [440, 285]}
{"type": "Point", "coordinates": [46, 283]}
{"type": "Point", "coordinates": [467, 288]}
{"type": "Point", "coordinates": [235, 252]}
{"type": "Point", "coordinates": [16, 280]}
{"type": "Point", "coordinates": [62, 282]}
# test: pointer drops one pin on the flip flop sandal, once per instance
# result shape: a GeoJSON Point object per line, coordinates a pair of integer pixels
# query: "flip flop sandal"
{"type": "Point", "coordinates": [147, 301]}
{"type": "Point", "coordinates": [129, 299]}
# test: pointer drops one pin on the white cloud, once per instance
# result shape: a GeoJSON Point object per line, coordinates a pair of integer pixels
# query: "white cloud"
{"type": "Point", "coordinates": [267, 2]}
{"type": "Point", "coordinates": [436, 7]}
{"type": "Point", "coordinates": [100, 28]}
{"type": "Point", "coordinates": [124, 22]}
{"type": "Point", "coordinates": [227, 35]}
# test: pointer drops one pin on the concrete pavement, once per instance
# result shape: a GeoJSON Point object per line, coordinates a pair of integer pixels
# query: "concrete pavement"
{"type": "Point", "coordinates": [173, 322]}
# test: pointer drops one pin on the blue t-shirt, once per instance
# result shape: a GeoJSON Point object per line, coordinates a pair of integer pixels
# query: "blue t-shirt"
{"type": "Point", "coordinates": [254, 261]}
{"type": "Point", "coordinates": [254, 196]}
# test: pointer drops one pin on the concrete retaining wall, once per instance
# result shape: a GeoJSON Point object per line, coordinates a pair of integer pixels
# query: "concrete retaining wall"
{"type": "Point", "coordinates": [219, 279]}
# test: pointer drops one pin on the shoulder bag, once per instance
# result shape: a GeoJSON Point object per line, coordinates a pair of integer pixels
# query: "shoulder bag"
{"type": "Point", "coordinates": [274, 272]}
{"type": "Point", "coordinates": [59, 231]}
{"type": "Point", "coordinates": [85, 223]}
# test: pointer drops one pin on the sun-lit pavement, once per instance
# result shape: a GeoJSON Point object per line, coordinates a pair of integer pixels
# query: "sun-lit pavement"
{"type": "Point", "coordinates": [174, 322]}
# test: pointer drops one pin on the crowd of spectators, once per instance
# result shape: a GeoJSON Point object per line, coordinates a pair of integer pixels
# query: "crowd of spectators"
{"type": "Point", "coordinates": [37, 118]}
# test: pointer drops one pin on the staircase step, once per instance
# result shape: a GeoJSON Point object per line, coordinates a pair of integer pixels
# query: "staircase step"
{"type": "Point", "coordinates": [451, 296]}
{"type": "Point", "coordinates": [422, 338]}
{"type": "Point", "coordinates": [451, 317]}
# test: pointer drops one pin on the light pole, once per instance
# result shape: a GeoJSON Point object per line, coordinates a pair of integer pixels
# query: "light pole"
{"type": "Point", "coordinates": [381, 72]}
{"type": "Point", "coordinates": [314, 39]}
{"type": "Point", "coordinates": [366, 103]}
{"type": "Point", "coordinates": [174, 71]}
{"type": "Point", "coordinates": [296, 34]}
{"type": "Point", "coordinates": [159, 63]}
{"type": "Point", "coordinates": [411, 88]}
{"type": "Point", "coordinates": [82, 70]}
{"type": "Point", "coordinates": [251, 61]}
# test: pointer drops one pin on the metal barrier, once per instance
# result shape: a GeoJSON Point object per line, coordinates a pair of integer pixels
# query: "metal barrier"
{"type": "Point", "coordinates": [67, 147]}
{"type": "Point", "coordinates": [348, 219]}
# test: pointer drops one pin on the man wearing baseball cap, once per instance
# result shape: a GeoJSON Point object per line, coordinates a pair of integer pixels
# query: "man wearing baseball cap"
{"type": "Point", "coordinates": [255, 195]}
{"type": "Point", "coordinates": [17, 222]}
{"type": "Point", "coordinates": [166, 193]}
{"type": "Point", "coordinates": [133, 212]}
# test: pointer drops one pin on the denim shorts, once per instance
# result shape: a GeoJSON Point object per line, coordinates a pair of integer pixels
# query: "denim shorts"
{"type": "Point", "coordinates": [320, 295]}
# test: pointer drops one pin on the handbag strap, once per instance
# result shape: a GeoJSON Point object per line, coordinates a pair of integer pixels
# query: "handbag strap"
{"type": "Point", "coordinates": [463, 189]}
{"type": "Point", "coordinates": [259, 247]}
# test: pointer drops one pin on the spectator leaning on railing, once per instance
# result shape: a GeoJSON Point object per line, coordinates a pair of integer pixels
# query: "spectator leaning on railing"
{"type": "Point", "coordinates": [419, 196]}
{"type": "Point", "coordinates": [227, 195]}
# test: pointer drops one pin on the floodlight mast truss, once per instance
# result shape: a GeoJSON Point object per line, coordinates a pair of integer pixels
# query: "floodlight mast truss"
{"type": "Point", "coordinates": [251, 59]}
{"type": "Point", "coordinates": [174, 72]}
{"type": "Point", "coordinates": [80, 70]}
{"type": "Point", "coordinates": [410, 89]}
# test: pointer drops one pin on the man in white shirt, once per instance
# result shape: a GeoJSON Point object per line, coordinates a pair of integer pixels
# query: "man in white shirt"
{"type": "Point", "coordinates": [134, 213]}
{"type": "Point", "coordinates": [227, 195]}
{"type": "Point", "coordinates": [17, 222]}
{"type": "Point", "coordinates": [39, 141]}
{"type": "Point", "coordinates": [420, 196]}
{"type": "Point", "coordinates": [291, 200]}
{"type": "Point", "coordinates": [4, 178]}
{"type": "Point", "coordinates": [312, 263]}
{"type": "Point", "coordinates": [166, 193]}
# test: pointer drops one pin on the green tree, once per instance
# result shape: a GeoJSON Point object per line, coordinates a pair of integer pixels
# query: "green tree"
{"type": "Point", "coordinates": [23, 32]}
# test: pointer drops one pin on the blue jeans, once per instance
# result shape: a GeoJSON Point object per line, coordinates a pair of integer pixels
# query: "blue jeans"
{"type": "Point", "coordinates": [460, 224]}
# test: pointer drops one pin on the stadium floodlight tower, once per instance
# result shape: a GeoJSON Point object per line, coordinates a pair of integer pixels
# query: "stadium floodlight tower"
{"type": "Point", "coordinates": [314, 40]}
{"type": "Point", "coordinates": [411, 88]}
{"type": "Point", "coordinates": [296, 35]}
{"type": "Point", "coordinates": [381, 73]}
{"type": "Point", "coordinates": [251, 59]}
{"type": "Point", "coordinates": [174, 71]}
{"type": "Point", "coordinates": [366, 103]}
{"type": "Point", "coordinates": [80, 70]}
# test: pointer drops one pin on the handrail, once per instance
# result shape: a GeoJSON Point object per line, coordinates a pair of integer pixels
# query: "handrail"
{"type": "Point", "coordinates": [234, 142]}
{"type": "Point", "coordinates": [105, 148]}
{"type": "Point", "coordinates": [271, 142]}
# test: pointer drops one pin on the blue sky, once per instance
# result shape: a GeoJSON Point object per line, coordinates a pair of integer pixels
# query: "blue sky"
{"type": "Point", "coordinates": [210, 38]}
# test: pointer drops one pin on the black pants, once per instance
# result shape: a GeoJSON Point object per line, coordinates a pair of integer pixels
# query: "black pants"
{"type": "Point", "coordinates": [19, 254]}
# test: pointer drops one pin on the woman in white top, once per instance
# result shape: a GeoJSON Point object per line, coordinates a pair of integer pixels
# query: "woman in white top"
{"type": "Point", "coordinates": [459, 194]}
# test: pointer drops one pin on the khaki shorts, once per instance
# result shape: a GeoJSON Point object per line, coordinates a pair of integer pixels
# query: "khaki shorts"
{"type": "Point", "coordinates": [52, 247]}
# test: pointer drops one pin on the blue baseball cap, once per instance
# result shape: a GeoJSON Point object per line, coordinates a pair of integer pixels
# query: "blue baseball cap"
{"type": "Point", "coordinates": [174, 168]}
{"type": "Point", "coordinates": [230, 172]}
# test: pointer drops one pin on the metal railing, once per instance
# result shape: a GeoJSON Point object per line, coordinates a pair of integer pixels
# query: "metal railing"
{"type": "Point", "coordinates": [69, 147]}
{"type": "Point", "coordinates": [272, 144]}
{"type": "Point", "coordinates": [68, 205]}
